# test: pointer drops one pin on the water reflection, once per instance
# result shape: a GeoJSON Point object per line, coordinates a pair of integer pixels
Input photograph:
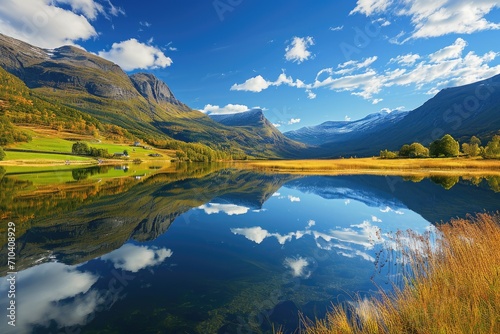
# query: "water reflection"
{"type": "Point", "coordinates": [216, 250]}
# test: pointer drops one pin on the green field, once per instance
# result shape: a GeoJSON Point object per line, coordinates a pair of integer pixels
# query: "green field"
{"type": "Point", "coordinates": [48, 140]}
{"type": "Point", "coordinates": [39, 157]}
{"type": "Point", "coordinates": [44, 176]}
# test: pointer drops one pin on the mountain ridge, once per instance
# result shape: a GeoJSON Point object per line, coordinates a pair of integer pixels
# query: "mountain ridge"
{"type": "Point", "coordinates": [140, 103]}
{"type": "Point", "coordinates": [337, 131]}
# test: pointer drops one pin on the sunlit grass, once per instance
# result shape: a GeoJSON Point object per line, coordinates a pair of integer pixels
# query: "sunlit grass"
{"type": "Point", "coordinates": [454, 288]}
{"type": "Point", "coordinates": [377, 166]}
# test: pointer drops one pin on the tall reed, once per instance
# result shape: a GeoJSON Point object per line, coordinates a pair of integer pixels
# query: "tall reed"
{"type": "Point", "coordinates": [452, 286]}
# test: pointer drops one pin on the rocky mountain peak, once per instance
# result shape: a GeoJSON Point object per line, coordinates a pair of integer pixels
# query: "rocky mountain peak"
{"type": "Point", "coordinates": [153, 89]}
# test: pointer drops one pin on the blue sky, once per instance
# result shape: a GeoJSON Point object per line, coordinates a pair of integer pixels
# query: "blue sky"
{"type": "Point", "coordinates": [304, 62]}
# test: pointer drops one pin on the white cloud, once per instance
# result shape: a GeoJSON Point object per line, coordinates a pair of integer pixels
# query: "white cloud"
{"type": "Point", "coordinates": [375, 219]}
{"type": "Point", "coordinates": [310, 223]}
{"type": "Point", "coordinates": [293, 198]}
{"type": "Point", "coordinates": [258, 234]}
{"type": "Point", "coordinates": [294, 121]}
{"type": "Point", "coordinates": [256, 85]}
{"type": "Point", "coordinates": [347, 118]}
{"type": "Point", "coordinates": [228, 109]}
{"type": "Point", "coordinates": [132, 54]}
{"type": "Point", "coordinates": [405, 60]}
{"type": "Point", "coordinates": [377, 101]}
{"type": "Point", "coordinates": [369, 7]}
{"type": "Point", "coordinates": [276, 194]}
{"type": "Point", "coordinates": [389, 209]}
{"type": "Point", "coordinates": [297, 51]}
{"type": "Point", "coordinates": [436, 18]}
{"type": "Point", "coordinates": [453, 51]}
{"type": "Point", "coordinates": [298, 266]}
{"type": "Point", "coordinates": [276, 125]}
{"type": "Point", "coordinates": [228, 209]}
{"type": "Point", "coordinates": [45, 24]}
{"type": "Point", "coordinates": [255, 234]}
{"type": "Point", "coordinates": [444, 68]}
{"type": "Point", "coordinates": [310, 94]}
{"type": "Point", "coordinates": [134, 258]}
{"type": "Point", "coordinates": [338, 28]}
{"type": "Point", "coordinates": [145, 24]}
{"type": "Point", "coordinates": [43, 288]}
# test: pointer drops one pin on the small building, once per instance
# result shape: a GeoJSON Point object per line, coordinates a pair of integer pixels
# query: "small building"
{"type": "Point", "coordinates": [137, 144]}
{"type": "Point", "coordinates": [119, 154]}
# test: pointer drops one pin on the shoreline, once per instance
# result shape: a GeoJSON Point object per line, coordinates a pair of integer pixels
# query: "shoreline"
{"type": "Point", "coordinates": [377, 166]}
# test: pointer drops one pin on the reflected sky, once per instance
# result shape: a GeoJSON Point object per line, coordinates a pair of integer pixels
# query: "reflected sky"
{"type": "Point", "coordinates": [236, 262]}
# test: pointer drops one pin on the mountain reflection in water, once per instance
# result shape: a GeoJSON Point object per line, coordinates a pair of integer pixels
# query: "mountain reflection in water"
{"type": "Point", "coordinates": [211, 249]}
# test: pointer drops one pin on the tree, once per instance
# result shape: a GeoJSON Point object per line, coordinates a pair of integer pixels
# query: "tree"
{"type": "Point", "coordinates": [125, 153]}
{"type": "Point", "coordinates": [404, 151]}
{"type": "Point", "coordinates": [2, 154]}
{"type": "Point", "coordinates": [473, 147]}
{"type": "Point", "coordinates": [446, 146]}
{"type": "Point", "coordinates": [386, 154]}
{"type": "Point", "coordinates": [417, 150]}
{"type": "Point", "coordinates": [80, 148]}
{"type": "Point", "coordinates": [492, 150]}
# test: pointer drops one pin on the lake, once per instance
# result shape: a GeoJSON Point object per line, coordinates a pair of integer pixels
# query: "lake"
{"type": "Point", "coordinates": [209, 249]}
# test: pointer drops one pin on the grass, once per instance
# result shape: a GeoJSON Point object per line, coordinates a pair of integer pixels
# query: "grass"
{"type": "Point", "coordinates": [58, 175]}
{"type": "Point", "coordinates": [41, 157]}
{"type": "Point", "coordinates": [48, 140]}
{"type": "Point", "coordinates": [451, 288]}
{"type": "Point", "coordinates": [450, 166]}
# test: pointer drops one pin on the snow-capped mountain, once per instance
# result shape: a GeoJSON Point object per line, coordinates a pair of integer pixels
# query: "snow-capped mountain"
{"type": "Point", "coordinates": [337, 131]}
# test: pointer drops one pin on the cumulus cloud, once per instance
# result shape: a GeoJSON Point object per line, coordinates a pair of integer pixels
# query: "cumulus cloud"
{"type": "Point", "coordinates": [228, 109]}
{"type": "Point", "coordinates": [294, 121]}
{"type": "Point", "coordinates": [435, 18]}
{"type": "Point", "coordinates": [298, 51]}
{"type": "Point", "coordinates": [256, 84]}
{"type": "Point", "coordinates": [389, 209]}
{"type": "Point", "coordinates": [293, 198]}
{"type": "Point", "coordinates": [453, 51]}
{"type": "Point", "coordinates": [298, 266]}
{"type": "Point", "coordinates": [257, 234]}
{"type": "Point", "coordinates": [134, 258]}
{"type": "Point", "coordinates": [132, 54]}
{"type": "Point", "coordinates": [448, 66]}
{"type": "Point", "coordinates": [46, 24]}
{"type": "Point", "coordinates": [228, 209]}
{"type": "Point", "coordinates": [44, 287]}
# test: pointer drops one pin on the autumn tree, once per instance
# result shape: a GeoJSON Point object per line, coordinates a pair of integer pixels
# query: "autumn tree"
{"type": "Point", "coordinates": [473, 147]}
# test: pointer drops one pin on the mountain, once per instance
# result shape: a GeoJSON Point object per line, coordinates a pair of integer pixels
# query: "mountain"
{"type": "Point", "coordinates": [338, 131]}
{"type": "Point", "coordinates": [254, 117]}
{"type": "Point", "coordinates": [153, 89]}
{"type": "Point", "coordinates": [141, 103]}
{"type": "Point", "coordinates": [256, 122]}
{"type": "Point", "coordinates": [465, 111]}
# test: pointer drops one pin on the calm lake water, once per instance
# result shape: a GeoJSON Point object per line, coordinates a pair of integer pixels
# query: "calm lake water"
{"type": "Point", "coordinates": [201, 249]}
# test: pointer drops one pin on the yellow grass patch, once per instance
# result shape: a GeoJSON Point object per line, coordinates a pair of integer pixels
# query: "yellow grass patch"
{"type": "Point", "coordinates": [454, 290]}
{"type": "Point", "coordinates": [376, 166]}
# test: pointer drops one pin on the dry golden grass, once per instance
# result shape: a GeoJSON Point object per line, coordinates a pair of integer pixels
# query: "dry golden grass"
{"type": "Point", "coordinates": [449, 166]}
{"type": "Point", "coordinates": [454, 289]}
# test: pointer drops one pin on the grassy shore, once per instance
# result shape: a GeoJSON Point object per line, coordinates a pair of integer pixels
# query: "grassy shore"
{"type": "Point", "coordinates": [453, 288]}
{"type": "Point", "coordinates": [376, 166]}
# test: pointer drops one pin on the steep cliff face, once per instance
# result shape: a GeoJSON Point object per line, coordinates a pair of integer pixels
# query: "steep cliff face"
{"type": "Point", "coordinates": [153, 89]}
